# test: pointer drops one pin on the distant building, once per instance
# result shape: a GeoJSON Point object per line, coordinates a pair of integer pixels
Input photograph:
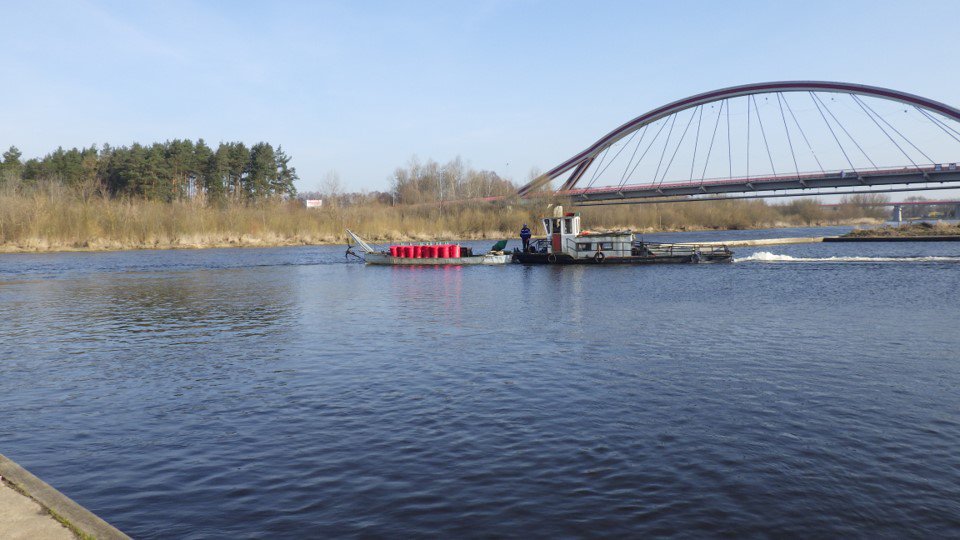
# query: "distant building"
{"type": "Point", "coordinates": [314, 203]}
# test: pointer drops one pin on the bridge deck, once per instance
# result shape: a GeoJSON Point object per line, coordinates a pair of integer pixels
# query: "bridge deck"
{"type": "Point", "coordinates": [834, 179]}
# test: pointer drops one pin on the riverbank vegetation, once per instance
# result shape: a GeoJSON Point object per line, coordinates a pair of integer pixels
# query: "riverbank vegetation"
{"type": "Point", "coordinates": [168, 171]}
{"type": "Point", "coordinates": [908, 230]}
{"type": "Point", "coordinates": [181, 194]}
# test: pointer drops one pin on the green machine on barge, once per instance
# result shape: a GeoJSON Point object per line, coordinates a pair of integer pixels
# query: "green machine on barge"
{"type": "Point", "coordinates": [565, 243]}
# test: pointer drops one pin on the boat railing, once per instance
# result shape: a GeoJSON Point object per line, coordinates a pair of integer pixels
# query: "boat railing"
{"type": "Point", "coordinates": [570, 247]}
{"type": "Point", "coordinates": [418, 243]}
{"type": "Point", "coordinates": [660, 249]}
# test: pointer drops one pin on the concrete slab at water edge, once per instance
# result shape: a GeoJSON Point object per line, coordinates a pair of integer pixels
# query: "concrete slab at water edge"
{"type": "Point", "coordinates": [43, 502]}
{"type": "Point", "coordinates": [23, 518]}
{"type": "Point", "coordinates": [765, 242]}
{"type": "Point", "coordinates": [932, 238]}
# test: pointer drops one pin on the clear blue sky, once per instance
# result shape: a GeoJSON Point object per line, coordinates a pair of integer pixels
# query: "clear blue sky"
{"type": "Point", "coordinates": [361, 86]}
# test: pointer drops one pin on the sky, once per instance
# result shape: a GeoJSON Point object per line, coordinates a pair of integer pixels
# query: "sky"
{"type": "Point", "coordinates": [362, 87]}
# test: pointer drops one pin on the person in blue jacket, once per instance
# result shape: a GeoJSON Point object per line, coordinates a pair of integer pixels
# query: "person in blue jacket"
{"type": "Point", "coordinates": [525, 236]}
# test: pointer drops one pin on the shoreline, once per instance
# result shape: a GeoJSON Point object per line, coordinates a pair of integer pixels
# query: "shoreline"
{"type": "Point", "coordinates": [916, 238]}
{"type": "Point", "coordinates": [38, 246]}
{"type": "Point", "coordinates": [36, 509]}
{"type": "Point", "coordinates": [912, 232]}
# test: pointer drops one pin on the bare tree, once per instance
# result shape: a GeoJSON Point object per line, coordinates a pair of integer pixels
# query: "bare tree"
{"type": "Point", "coordinates": [331, 187]}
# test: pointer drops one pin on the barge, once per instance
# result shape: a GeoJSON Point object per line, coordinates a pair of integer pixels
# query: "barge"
{"type": "Point", "coordinates": [565, 243]}
{"type": "Point", "coordinates": [428, 254]}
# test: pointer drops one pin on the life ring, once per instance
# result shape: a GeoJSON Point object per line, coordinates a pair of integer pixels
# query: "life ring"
{"type": "Point", "coordinates": [552, 258]}
{"type": "Point", "coordinates": [598, 257]}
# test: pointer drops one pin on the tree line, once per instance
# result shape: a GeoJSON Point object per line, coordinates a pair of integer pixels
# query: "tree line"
{"type": "Point", "coordinates": [418, 183]}
{"type": "Point", "coordinates": [163, 171]}
{"type": "Point", "coordinates": [434, 182]}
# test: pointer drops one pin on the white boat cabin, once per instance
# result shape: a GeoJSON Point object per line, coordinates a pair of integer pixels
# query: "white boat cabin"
{"type": "Point", "coordinates": [565, 236]}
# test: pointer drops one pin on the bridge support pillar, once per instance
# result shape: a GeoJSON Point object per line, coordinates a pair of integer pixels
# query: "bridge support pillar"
{"type": "Point", "coordinates": [897, 213]}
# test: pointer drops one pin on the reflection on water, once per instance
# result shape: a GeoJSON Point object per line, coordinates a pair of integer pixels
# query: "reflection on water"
{"type": "Point", "coordinates": [288, 393]}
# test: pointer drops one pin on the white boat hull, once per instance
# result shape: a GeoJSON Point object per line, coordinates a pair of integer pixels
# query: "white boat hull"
{"type": "Point", "coordinates": [387, 259]}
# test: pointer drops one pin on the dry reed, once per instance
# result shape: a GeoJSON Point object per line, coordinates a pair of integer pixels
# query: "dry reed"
{"type": "Point", "coordinates": [52, 217]}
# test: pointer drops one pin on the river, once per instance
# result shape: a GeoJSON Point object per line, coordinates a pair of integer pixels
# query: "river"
{"type": "Point", "coordinates": [803, 390]}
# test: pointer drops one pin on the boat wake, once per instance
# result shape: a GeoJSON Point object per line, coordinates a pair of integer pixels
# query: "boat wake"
{"type": "Point", "coordinates": [767, 257]}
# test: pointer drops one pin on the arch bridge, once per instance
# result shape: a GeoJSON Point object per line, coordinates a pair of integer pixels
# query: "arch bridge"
{"type": "Point", "coordinates": [768, 140]}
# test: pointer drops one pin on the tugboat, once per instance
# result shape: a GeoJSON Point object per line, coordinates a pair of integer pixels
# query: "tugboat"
{"type": "Point", "coordinates": [565, 243]}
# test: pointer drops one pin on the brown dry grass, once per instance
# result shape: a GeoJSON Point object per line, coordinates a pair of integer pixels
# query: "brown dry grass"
{"type": "Point", "coordinates": [51, 217]}
{"type": "Point", "coordinates": [912, 229]}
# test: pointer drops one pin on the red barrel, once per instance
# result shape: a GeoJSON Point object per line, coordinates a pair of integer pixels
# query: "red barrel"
{"type": "Point", "coordinates": [455, 251]}
{"type": "Point", "coordinates": [408, 252]}
{"type": "Point", "coordinates": [421, 252]}
{"type": "Point", "coordinates": [393, 251]}
{"type": "Point", "coordinates": [432, 252]}
{"type": "Point", "coordinates": [443, 251]}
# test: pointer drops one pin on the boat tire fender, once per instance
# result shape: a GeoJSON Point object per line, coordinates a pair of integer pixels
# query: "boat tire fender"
{"type": "Point", "coordinates": [552, 258]}
{"type": "Point", "coordinates": [598, 257]}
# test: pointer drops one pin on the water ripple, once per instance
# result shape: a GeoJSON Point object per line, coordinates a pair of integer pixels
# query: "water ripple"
{"type": "Point", "coordinates": [259, 393]}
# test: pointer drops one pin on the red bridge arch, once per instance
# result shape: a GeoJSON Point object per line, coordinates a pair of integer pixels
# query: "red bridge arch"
{"type": "Point", "coordinates": [582, 161]}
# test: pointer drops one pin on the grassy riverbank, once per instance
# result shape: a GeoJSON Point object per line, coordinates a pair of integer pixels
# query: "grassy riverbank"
{"type": "Point", "coordinates": [907, 231]}
{"type": "Point", "coordinates": [55, 218]}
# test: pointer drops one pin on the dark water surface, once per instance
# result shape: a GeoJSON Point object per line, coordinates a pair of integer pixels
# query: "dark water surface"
{"type": "Point", "coordinates": [811, 390]}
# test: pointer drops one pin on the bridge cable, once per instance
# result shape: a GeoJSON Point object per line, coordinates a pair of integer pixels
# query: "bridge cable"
{"type": "Point", "coordinates": [895, 130]}
{"type": "Point", "coordinates": [614, 158]}
{"type": "Point", "coordinates": [804, 135]}
{"type": "Point", "coordinates": [633, 155]}
{"type": "Point", "coordinates": [729, 145]}
{"type": "Point", "coordinates": [696, 143]}
{"type": "Point", "coordinates": [649, 146]}
{"type": "Point", "coordinates": [762, 132]}
{"type": "Point", "coordinates": [748, 136]}
{"type": "Point", "coordinates": [939, 123]}
{"type": "Point", "coordinates": [596, 170]}
{"type": "Point", "coordinates": [902, 151]}
{"type": "Point", "coordinates": [665, 144]}
{"type": "Point", "coordinates": [937, 120]}
{"type": "Point", "coordinates": [835, 138]}
{"type": "Point", "coordinates": [787, 130]}
{"type": "Point", "coordinates": [712, 137]}
{"type": "Point", "coordinates": [679, 142]}
{"type": "Point", "coordinates": [847, 133]}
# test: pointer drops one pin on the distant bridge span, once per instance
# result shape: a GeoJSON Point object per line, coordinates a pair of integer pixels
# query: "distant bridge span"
{"type": "Point", "coordinates": [894, 204]}
{"type": "Point", "coordinates": [944, 175]}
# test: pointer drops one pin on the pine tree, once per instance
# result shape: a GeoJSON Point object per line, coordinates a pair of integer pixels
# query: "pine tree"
{"type": "Point", "coordinates": [285, 176]}
{"type": "Point", "coordinates": [11, 163]}
{"type": "Point", "coordinates": [261, 170]}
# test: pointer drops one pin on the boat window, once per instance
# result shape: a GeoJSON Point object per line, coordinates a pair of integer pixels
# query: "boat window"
{"type": "Point", "coordinates": [557, 226]}
{"type": "Point", "coordinates": [568, 226]}
{"type": "Point", "coordinates": [584, 246]}
{"type": "Point", "coordinates": [606, 245]}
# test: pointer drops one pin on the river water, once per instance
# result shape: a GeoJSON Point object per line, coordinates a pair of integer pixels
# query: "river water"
{"type": "Point", "coordinates": [805, 390]}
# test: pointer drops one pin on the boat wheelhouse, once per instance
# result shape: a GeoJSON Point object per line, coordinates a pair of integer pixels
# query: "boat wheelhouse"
{"type": "Point", "coordinates": [566, 243]}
